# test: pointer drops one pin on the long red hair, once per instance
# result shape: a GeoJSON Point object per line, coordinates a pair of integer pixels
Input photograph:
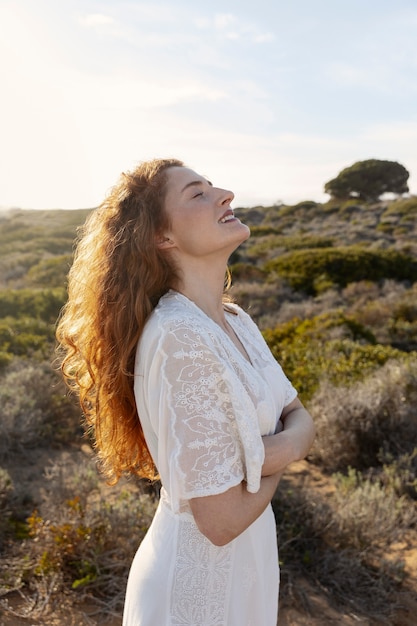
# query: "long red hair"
{"type": "Point", "coordinates": [116, 280]}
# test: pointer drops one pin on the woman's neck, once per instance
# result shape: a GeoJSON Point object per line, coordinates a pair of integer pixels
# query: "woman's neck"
{"type": "Point", "coordinates": [206, 291]}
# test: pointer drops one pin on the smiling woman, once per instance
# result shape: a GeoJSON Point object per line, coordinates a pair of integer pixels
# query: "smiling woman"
{"type": "Point", "coordinates": [177, 381]}
{"type": "Point", "coordinates": [197, 213]}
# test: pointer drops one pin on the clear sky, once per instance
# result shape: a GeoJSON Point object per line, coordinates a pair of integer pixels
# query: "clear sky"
{"type": "Point", "coordinates": [269, 98]}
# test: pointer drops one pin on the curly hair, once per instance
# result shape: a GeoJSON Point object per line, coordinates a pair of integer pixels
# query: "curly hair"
{"type": "Point", "coordinates": [116, 280]}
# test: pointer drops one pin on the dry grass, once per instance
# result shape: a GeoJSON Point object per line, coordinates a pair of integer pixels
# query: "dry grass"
{"type": "Point", "coordinates": [76, 545]}
{"type": "Point", "coordinates": [356, 423]}
{"type": "Point", "coordinates": [314, 550]}
{"type": "Point", "coordinates": [368, 514]}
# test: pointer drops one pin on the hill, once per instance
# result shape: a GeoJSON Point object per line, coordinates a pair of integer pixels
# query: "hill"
{"type": "Point", "coordinates": [334, 289]}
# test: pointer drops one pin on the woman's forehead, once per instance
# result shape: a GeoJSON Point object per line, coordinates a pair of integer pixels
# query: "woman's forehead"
{"type": "Point", "coordinates": [180, 178]}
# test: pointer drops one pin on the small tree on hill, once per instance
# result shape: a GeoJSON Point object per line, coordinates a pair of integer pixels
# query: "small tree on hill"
{"type": "Point", "coordinates": [368, 180]}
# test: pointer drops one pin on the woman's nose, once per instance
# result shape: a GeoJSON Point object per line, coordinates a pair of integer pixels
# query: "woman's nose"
{"type": "Point", "coordinates": [226, 196]}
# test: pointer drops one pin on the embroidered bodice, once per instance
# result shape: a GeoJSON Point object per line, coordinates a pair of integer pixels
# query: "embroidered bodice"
{"type": "Point", "coordinates": [203, 406]}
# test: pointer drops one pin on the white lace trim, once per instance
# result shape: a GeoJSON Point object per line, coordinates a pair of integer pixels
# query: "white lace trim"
{"type": "Point", "coordinates": [201, 580]}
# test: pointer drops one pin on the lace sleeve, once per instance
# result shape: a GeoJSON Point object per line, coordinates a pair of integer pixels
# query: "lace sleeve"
{"type": "Point", "coordinates": [212, 437]}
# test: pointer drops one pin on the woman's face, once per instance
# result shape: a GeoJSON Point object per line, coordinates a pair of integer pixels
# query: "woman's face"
{"type": "Point", "coordinates": [200, 217]}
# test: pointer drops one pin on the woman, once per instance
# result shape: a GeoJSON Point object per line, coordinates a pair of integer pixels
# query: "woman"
{"type": "Point", "coordinates": [175, 379]}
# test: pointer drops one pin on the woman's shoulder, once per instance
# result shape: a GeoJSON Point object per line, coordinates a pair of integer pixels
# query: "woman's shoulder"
{"type": "Point", "coordinates": [240, 315]}
{"type": "Point", "coordinates": [172, 309]}
{"type": "Point", "coordinates": [173, 312]}
{"type": "Point", "coordinates": [168, 315]}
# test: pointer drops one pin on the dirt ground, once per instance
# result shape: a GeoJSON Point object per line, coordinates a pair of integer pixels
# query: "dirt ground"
{"type": "Point", "coordinates": [320, 613]}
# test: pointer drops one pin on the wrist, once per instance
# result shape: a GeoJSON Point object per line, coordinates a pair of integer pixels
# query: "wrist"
{"type": "Point", "coordinates": [289, 447]}
{"type": "Point", "coordinates": [279, 452]}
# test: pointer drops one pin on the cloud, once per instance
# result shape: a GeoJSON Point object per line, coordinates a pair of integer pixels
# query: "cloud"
{"type": "Point", "coordinates": [224, 20]}
{"type": "Point", "coordinates": [95, 19]}
{"type": "Point", "coordinates": [264, 38]}
{"type": "Point", "coordinates": [132, 91]}
{"type": "Point", "coordinates": [231, 27]}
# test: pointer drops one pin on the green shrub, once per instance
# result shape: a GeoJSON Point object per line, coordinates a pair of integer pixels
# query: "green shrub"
{"type": "Point", "coordinates": [5, 359]}
{"type": "Point", "coordinates": [302, 212]}
{"type": "Point", "coordinates": [341, 266]}
{"type": "Point", "coordinates": [50, 272]}
{"type": "Point", "coordinates": [385, 227]}
{"type": "Point", "coordinates": [261, 231]}
{"type": "Point", "coordinates": [405, 207]}
{"type": "Point", "coordinates": [42, 304]}
{"type": "Point", "coordinates": [330, 346]}
{"type": "Point", "coordinates": [297, 242]}
{"type": "Point", "coordinates": [6, 488]}
{"type": "Point", "coordinates": [400, 231]}
{"type": "Point", "coordinates": [27, 337]}
{"type": "Point", "coordinates": [402, 326]}
{"type": "Point", "coordinates": [351, 206]}
{"type": "Point", "coordinates": [246, 272]}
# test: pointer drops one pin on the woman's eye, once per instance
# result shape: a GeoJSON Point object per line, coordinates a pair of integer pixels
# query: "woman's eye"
{"type": "Point", "coordinates": [200, 193]}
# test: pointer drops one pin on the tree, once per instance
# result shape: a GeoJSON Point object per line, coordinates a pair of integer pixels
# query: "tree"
{"type": "Point", "coordinates": [368, 180]}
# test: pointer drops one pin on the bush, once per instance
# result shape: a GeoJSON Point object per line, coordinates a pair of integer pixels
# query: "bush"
{"type": "Point", "coordinates": [402, 325]}
{"type": "Point", "coordinates": [367, 512]}
{"type": "Point", "coordinates": [269, 247]}
{"type": "Point", "coordinates": [27, 337]}
{"type": "Point", "coordinates": [360, 424]}
{"type": "Point", "coordinates": [315, 553]}
{"type": "Point", "coordinates": [330, 346]}
{"type": "Point", "coordinates": [260, 231]}
{"type": "Point", "coordinates": [34, 407]}
{"type": "Point", "coordinates": [42, 304]}
{"type": "Point", "coordinates": [6, 488]}
{"type": "Point", "coordinates": [303, 269]}
{"type": "Point", "coordinates": [305, 208]}
{"type": "Point", "coordinates": [405, 207]}
{"type": "Point", "coordinates": [400, 473]}
{"type": "Point", "coordinates": [351, 206]}
{"type": "Point", "coordinates": [246, 271]}
{"type": "Point", "coordinates": [79, 546]}
{"type": "Point", "coordinates": [50, 272]}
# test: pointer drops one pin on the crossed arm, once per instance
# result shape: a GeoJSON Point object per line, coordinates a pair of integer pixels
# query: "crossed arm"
{"type": "Point", "coordinates": [221, 518]}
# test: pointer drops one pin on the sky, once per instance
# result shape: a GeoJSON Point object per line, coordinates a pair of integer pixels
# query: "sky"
{"type": "Point", "coordinates": [268, 98]}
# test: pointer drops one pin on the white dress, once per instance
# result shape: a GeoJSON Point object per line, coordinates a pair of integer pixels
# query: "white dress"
{"type": "Point", "coordinates": [204, 408]}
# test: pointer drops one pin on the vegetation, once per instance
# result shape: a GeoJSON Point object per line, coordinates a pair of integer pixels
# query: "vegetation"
{"type": "Point", "coordinates": [333, 287]}
{"type": "Point", "coordinates": [368, 180]}
{"type": "Point", "coordinates": [313, 271]}
{"type": "Point", "coordinates": [330, 347]}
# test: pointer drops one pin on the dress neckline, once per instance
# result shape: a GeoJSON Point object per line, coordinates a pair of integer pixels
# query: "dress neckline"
{"type": "Point", "coordinates": [232, 317]}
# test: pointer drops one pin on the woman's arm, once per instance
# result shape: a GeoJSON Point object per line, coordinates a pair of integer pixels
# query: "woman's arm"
{"type": "Point", "coordinates": [292, 443]}
{"type": "Point", "coordinates": [221, 518]}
